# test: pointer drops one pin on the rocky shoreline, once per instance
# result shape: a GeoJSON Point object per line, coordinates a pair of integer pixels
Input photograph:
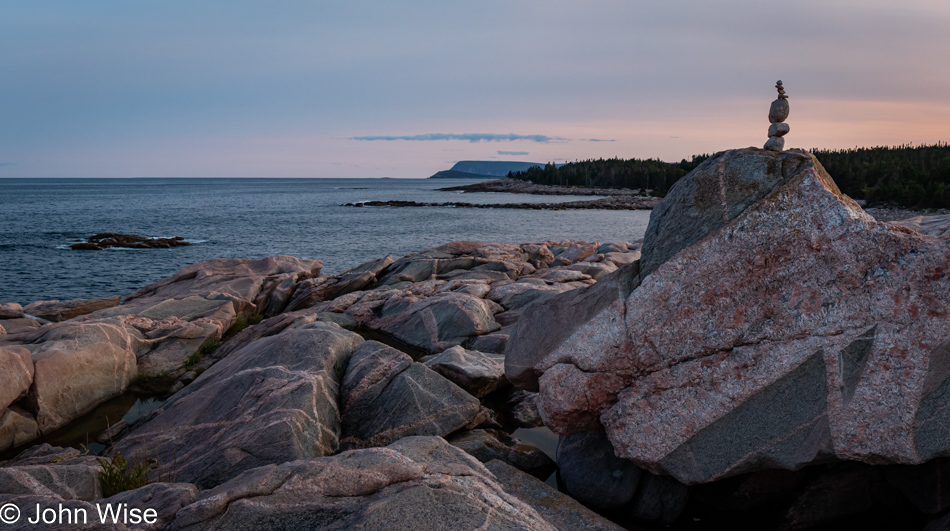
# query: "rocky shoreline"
{"type": "Point", "coordinates": [517, 186]}
{"type": "Point", "coordinates": [617, 199]}
{"type": "Point", "coordinates": [625, 202]}
{"type": "Point", "coordinates": [766, 360]}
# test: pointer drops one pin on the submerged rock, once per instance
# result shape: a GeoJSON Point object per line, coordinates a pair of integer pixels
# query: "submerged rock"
{"type": "Point", "coordinates": [105, 240]}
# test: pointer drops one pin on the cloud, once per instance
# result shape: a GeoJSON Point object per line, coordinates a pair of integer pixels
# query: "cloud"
{"type": "Point", "coordinates": [7, 163]}
{"type": "Point", "coordinates": [513, 153]}
{"type": "Point", "coordinates": [599, 140]}
{"type": "Point", "coordinates": [470, 137]}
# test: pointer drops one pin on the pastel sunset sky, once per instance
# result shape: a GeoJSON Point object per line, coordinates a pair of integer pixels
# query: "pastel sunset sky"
{"type": "Point", "coordinates": [311, 88]}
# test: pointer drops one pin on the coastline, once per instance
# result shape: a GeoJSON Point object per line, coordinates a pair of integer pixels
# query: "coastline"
{"type": "Point", "coordinates": [516, 186]}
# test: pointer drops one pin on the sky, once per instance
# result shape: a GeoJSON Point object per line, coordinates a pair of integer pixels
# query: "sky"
{"type": "Point", "coordinates": [295, 88]}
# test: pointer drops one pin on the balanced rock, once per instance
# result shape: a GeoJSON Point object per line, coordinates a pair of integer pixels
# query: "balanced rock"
{"type": "Point", "coordinates": [775, 143]}
{"type": "Point", "coordinates": [778, 129]}
{"type": "Point", "coordinates": [795, 330]}
{"type": "Point", "coordinates": [778, 112]}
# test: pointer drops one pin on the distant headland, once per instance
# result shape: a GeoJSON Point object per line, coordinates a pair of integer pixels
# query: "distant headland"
{"type": "Point", "coordinates": [484, 169]}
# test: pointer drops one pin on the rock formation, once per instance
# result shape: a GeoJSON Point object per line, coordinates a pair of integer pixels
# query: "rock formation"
{"type": "Point", "coordinates": [778, 112]}
{"type": "Point", "coordinates": [778, 327]}
{"type": "Point", "coordinates": [105, 240]}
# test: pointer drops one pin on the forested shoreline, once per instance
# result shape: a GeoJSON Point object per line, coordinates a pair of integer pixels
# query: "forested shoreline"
{"type": "Point", "coordinates": [906, 175]}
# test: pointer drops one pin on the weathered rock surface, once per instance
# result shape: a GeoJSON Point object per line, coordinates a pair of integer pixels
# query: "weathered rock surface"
{"type": "Point", "coordinates": [272, 401]}
{"type": "Point", "coordinates": [779, 327]}
{"type": "Point", "coordinates": [78, 366]}
{"type": "Point", "coordinates": [717, 191]}
{"type": "Point", "coordinates": [477, 372]}
{"type": "Point", "coordinates": [64, 480]}
{"type": "Point", "coordinates": [438, 322]}
{"type": "Point", "coordinates": [11, 310]}
{"type": "Point", "coordinates": [938, 226]}
{"type": "Point", "coordinates": [20, 325]}
{"type": "Point", "coordinates": [166, 499]}
{"type": "Point", "coordinates": [524, 409]}
{"type": "Point", "coordinates": [17, 426]}
{"type": "Point", "coordinates": [386, 396]}
{"type": "Point", "coordinates": [486, 445]}
{"type": "Point", "coordinates": [312, 291]}
{"type": "Point", "coordinates": [560, 510]}
{"type": "Point", "coordinates": [63, 310]}
{"type": "Point", "coordinates": [545, 325]}
{"type": "Point", "coordinates": [239, 280]}
{"type": "Point", "coordinates": [417, 483]}
{"type": "Point", "coordinates": [16, 374]}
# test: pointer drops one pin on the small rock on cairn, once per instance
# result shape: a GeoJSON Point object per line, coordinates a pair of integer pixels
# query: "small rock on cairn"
{"type": "Point", "coordinates": [777, 115]}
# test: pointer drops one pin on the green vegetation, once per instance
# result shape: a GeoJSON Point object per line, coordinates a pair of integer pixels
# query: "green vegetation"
{"type": "Point", "coordinates": [910, 176]}
{"type": "Point", "coordinates": [206, 349]}
{"type": "Point", "coordinates": [118, 475]}
{"type": "Point", "coordinates": [196, 358]}
{"type": "Point", "coordinates": [240, 324]}
{"type": "Point", "coordinates": [653, 174]}
{"type": "Point", "coordinates": [340, 369]}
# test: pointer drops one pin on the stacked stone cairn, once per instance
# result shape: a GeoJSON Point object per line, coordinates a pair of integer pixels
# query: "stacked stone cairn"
{"type": "Point", "coordinates": [777, 115]}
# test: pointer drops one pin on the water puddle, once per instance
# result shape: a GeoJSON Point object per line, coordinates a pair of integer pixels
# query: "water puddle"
{"type": "Point", "coordinates": [83, 431]}
{"type": "Point", "coordinates": [543, 439]}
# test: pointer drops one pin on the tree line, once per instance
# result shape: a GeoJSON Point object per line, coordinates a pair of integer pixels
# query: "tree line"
{"type": "Point", "coordinates": [905, 175]}
{"type": "Point", "coordinates": [649, 174]}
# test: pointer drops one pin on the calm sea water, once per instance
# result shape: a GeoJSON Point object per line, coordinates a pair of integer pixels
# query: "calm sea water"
{"type": "Point", "coordinates": [250, 218]}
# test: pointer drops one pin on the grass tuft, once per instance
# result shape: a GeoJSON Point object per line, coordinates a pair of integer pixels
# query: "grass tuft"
{"type": "Point", "coordinates": [118, 475]}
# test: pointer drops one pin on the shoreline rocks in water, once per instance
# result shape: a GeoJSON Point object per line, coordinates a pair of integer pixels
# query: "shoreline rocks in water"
{"type": "Point", "coordinates": [620, 202]}
{"type": "Point", "coordinates": [105, 240]}
{"type": "Point", "coordinates": [682, 375]}
{"type": "Point", "coordinates": [517, 186]}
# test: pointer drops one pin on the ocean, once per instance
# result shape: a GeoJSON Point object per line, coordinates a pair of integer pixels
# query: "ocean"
{"type": "Point", "coordinates": [252, 218]}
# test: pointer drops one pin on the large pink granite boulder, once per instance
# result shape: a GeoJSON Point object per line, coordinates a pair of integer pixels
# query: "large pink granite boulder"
{"type": "Point", "coordinates": [770, 332]}
{"type": "Point", "coordinates": [78, 366]}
